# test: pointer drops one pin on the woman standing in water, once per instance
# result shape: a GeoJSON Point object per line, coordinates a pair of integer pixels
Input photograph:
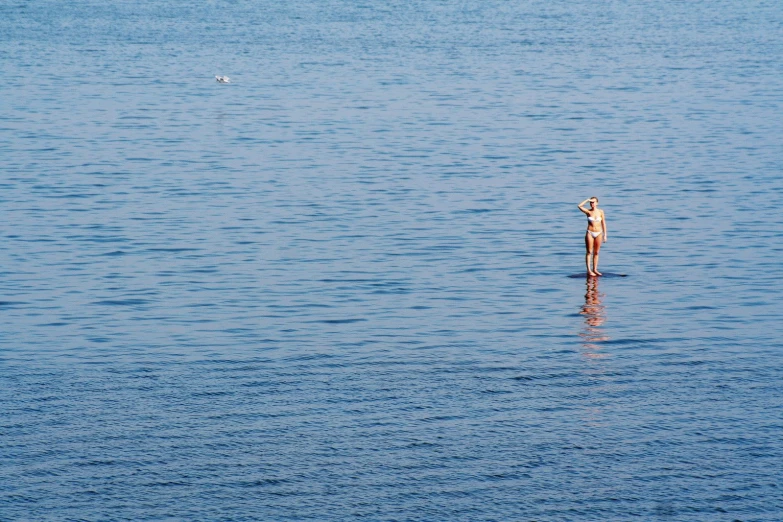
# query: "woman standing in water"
{"type": "Point", "coordinates": [596, 234]}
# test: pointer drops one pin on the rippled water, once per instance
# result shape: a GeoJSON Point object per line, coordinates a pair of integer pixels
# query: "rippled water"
{"type": "Point", "coordinates": [350, 283]}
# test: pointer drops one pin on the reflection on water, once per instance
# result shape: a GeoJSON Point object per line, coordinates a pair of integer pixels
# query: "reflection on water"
{"type": "Point", "coordinates": [595, 317]}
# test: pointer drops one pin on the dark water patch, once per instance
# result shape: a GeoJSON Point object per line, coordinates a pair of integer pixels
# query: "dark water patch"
{"type": "Point", "coordinates": [348, 280]}
{"type": "Point", "coordinates": [261, 483]}
{"type": "Point", "coordinates": [121, 302]}
{"type": "Point", "coordinates": [173, 250]}
{"type": "Point", "coordinates": [683, 363]}
{"type": "Point", "coordinates": [11, 304]}
{"type": "Point", "coordinates": [475, 211]}
{"type": "Point", "coordinates": [309, 357]}
{"type": "Point", "coordinates": [625, 342]}
{"type": "Point", "coordinates": [299, 306]}
{"type": "Point", "coordinates": [340, 321]}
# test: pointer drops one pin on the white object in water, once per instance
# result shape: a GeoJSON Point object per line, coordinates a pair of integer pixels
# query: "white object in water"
{"type": "Point", "coordinates": [223, 79]}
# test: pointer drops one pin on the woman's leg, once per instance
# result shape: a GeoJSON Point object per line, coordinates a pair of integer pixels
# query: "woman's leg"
{"type": "Point", "coordinates": [596, 248]}
{"type": "Point", "coordinates": [589, 253]}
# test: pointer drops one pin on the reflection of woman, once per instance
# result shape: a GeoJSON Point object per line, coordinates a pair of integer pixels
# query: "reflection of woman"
{"type": "Point", "coordinates": [596, 234]}
{"type": "Point", "coordinates": [595, 317]}
{"type": "Point", "coordinates": [593, 309]}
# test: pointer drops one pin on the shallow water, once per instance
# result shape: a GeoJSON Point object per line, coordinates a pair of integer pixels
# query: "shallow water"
{"type": "Point", "coordinates": [342, 285]}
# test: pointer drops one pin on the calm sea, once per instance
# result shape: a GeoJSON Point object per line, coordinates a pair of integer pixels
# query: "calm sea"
{"type": "Point", "coordinates": [350, 283]}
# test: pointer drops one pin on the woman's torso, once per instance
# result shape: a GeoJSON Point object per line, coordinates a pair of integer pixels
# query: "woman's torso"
{"type": "Point", "coordinates": [595, 221]}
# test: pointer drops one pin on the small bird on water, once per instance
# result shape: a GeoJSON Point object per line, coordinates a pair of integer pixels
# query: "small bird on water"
{"type": "Point", "coordinates": [223, 79]}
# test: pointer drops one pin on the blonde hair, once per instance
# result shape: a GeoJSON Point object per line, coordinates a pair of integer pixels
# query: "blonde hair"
{"type": "Point", "coordinates": [595, 198]}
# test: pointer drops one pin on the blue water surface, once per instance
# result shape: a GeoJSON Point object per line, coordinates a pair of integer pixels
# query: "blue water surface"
{"type": "Point", "coordinates": [349, 284]}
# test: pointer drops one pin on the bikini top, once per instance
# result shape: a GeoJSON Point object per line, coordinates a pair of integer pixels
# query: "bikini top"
{"type": "Point", "coordinates": [592, 219]}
